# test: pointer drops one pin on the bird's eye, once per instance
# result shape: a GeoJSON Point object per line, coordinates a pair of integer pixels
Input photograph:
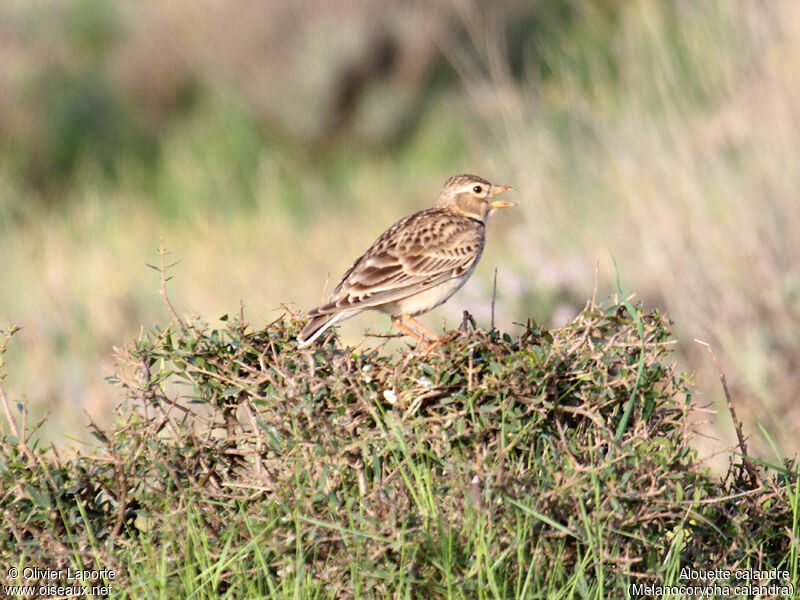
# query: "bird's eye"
{"type": "Point", "coordinates": [477, 189]}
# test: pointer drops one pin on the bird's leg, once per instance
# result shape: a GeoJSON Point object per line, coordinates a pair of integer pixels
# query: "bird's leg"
{"type": "Point", "coordinates": [421, 328]}
{"type": "Point", "coordinates": [417, 330]}
{"type": "Point", "coordinates": [398, 321]}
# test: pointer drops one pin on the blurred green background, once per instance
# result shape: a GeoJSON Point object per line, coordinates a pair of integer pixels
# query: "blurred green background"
{"type": "Point", "coordinates": [269, 142]}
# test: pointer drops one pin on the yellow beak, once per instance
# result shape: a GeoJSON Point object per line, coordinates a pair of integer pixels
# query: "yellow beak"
{"type": "Point", "coordinates": [499, 189]}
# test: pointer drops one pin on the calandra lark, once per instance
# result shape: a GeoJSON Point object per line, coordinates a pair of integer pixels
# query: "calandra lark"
{"type": "Point", "coordinates": [418, 263]}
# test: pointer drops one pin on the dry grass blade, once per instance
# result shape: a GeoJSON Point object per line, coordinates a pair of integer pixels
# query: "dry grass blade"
{"type": "Point", "coordinates": [748, 464]}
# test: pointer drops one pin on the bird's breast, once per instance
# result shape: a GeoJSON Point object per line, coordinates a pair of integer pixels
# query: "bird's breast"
{"type": "Point", "coordinates": [426, 300]}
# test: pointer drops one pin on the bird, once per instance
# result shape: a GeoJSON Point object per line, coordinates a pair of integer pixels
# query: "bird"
{"type": "Point", "coordinates": [416, 264]}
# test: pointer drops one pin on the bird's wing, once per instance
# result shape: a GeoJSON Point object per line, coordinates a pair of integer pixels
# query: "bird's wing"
{"type": "Point", "coordinates": [417, 253]}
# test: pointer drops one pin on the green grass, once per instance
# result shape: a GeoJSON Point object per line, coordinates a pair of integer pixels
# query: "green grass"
{"type": "Point", "coordinates": [634, 130]}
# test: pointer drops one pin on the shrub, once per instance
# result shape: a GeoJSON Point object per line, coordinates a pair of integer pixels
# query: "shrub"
{"type": "Point", "coordinates": [493, 466]}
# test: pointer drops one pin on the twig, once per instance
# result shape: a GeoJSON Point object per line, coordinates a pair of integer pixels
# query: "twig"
{"type": "Point", "coordinates": [122, 495]}
{"type": "Point", "coordinates": [259, 434]}
{"type": "Point", "coordinates": [494, 297]}
{"type": "Point", "coordinates": [748, 465]}
{"type": "Point", "coordinates": [162, 252]}
{"type": "Point", "coordinates": [22, 444]}
{"type": "Point", "coordinates": [470, 369]}
{"type": "Point", "coordinates": [24, 429]}
{"type": "Point", "coordinates": [3, 396]}
{"type": "Point", "coordinates": [12, 330]}
{"type": "Point", "coordinates": [475, 491]}
{"type": "Point", "coordinates": [7, 410]}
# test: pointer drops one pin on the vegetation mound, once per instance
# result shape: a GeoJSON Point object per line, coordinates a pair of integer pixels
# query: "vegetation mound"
{"type": "Point", "coordinates": [545, 464]}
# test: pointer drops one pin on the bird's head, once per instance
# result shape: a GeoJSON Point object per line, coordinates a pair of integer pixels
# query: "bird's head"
{"type": "Point", "coordinates": [471, 196]}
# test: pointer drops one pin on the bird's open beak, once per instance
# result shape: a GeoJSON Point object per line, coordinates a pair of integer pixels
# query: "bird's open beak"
{"type": "Point", "coordinates": [499, 189]}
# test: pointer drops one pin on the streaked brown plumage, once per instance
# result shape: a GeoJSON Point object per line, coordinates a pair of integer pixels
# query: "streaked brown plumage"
{"type": "Point", "coordinates": [416, 264]}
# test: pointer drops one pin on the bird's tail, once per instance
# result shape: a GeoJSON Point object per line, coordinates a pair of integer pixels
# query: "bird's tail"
{"type": "Point", "coordinates": [317, 326]}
